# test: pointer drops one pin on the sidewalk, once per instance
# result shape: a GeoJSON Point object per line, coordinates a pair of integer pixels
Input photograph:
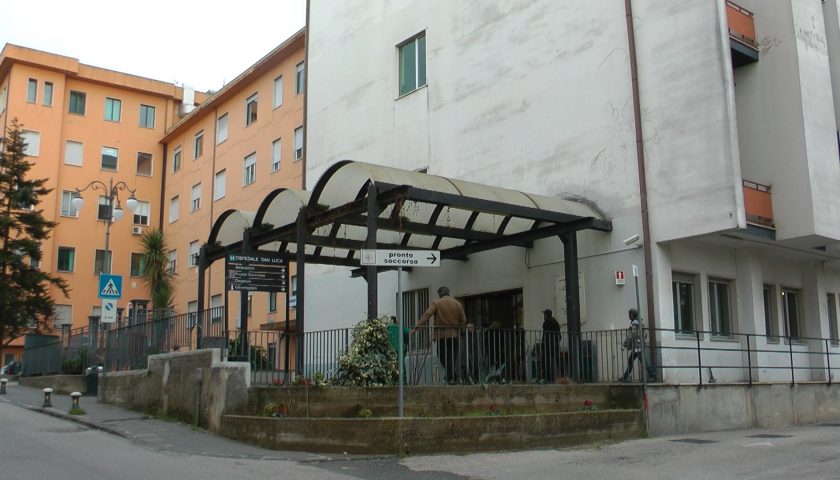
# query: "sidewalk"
{"type": "Point", "coordinates": [161, 435]}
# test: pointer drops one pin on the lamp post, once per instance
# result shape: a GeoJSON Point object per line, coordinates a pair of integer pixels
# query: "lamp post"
{"type": "Point", "coordinates": [115, 212]}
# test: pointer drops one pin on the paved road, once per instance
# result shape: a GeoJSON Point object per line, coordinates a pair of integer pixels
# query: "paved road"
{"type": "Point", "coordinates": [38, 446]}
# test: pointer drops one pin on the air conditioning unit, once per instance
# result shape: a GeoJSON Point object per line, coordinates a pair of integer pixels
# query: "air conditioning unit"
{"type": "Point", "coordinates": [136, 230]}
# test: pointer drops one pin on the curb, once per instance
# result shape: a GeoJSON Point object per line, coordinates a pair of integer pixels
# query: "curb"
{"type": "Point", "coordinates": [71, 418]}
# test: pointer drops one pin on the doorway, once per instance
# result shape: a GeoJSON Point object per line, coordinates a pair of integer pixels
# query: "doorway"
{"type": "Point", "coordinates": [496, 309]}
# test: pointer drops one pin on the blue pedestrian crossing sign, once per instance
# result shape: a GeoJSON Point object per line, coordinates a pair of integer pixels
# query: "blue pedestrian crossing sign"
{"type": "Point", "coordinates": [110, 286]}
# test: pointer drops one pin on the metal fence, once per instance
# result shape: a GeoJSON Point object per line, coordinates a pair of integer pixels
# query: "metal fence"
{"type": "Point", "coordinates": [441, 355]}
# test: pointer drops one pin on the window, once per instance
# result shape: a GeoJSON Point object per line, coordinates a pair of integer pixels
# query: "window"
{"type": "Point", "coordinates": [192, 312]}
{"type": "Point", "coordinates": [36, 262]}
{"type": "Point", "coordinates": [113, 109]}
{"type": "Point", "coordinates": [216, 311]}
{"type": "Point", "coordinates": [219, 184]}
{"type": "Point", "coordinates": [63, 316]}
{"type": "Point", "coordinates": [176, 160]}
{"type": "Point", "coordinates": [412, 64]}
{"type": "Point", "coordinates": [250, 304]}
{"type": "Point", "coordinates": [32, 91]}
{"type": "Point", "coordinates": [720, 307]}
{"type": "Point", "coordinates": [222, 128]}
{"type": "Point", "coordinates": [99, 262]}
{"type": "Point", "coordinates": [275, 155]}
{"type": "Point", "coordinates": [832, 318]}
{"type": "Point", "coordinates": [48, 93]}
{"type": "Point", "coordinates": [251, 110]}
{"type": "Point", "coordinates": [66, 259]}
{"type": "Point", "coordinates": [792, 312]}
{"type": "Point", "coordinates": [174, 206]}
{"type": "Point", "coordinates": [74, 153]}
{"type": "Point", "coordinates": [249, 174]}
{"type": "Point", "coordinates": [141, 213]}
{"type": "Point", "coordinates": [198, 145]}
{"type": "Point", "coordinates": [33, 143]}
{"type": "Point", "coordinates": [172, 262]}
{"type": "Point", "coordinates": [278, 91]}
{"type": "Point", "coordinates": [272, 301]}
{"type": "Point", "coordinates": [144, 164]}
{"type": "Point", "coordinates": [147, 116]}
{"type": "Point", "coordinates": [137, 264]}
{"type": "Point", "coordinates": [298, 143]}
{"type": "Point", "coordinates": [67, 209]}
{"type": "Point", "coordinates": [109, 158]}
{"type": "Point", "coordinates": [196, 197]}
{"type": "Point", "coordinates": [299, 79]}
{"type": "Point", "coordinates": [683, 293]}
{"type": "Point", "coordinates": [104, 210]}
{"type": "Point", "coordinates": [194, 253]}
{"type": "Point", "coordinates": [77, 102]}
{"type": "Point", "coordinates": [771, 325]}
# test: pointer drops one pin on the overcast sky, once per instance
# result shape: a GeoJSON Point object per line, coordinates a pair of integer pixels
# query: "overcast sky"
{"type": "Point", "coordinates": [199, 43]}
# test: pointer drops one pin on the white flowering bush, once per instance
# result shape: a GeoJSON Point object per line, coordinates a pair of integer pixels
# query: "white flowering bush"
{"type": "Point", "coordinates": [370, 361]}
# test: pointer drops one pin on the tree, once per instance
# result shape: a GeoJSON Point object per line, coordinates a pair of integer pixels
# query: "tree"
{"type": "Point", "coordinates": [25, 301]}
{"type": "Point", "coordinates": [160, 280]}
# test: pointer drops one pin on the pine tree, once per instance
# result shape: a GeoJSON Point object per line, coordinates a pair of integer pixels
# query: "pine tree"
{"type": "Point", "coordinates": [25, 301]}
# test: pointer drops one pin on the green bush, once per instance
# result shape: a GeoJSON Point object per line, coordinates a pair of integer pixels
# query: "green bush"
{"type": "Point", "coordinates": [370, 361]}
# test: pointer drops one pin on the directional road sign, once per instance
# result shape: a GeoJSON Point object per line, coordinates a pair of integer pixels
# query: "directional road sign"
{"type": "Point", "coordinates": [109, 311]}
{"type": "Point", "coordinates": [256, 272]}
{"type": "Point", "coordinates": [401, 258]}
{"type": "Point", "coordinates": [110, 286]}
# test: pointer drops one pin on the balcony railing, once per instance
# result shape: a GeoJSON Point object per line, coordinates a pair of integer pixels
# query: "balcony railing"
{"type": "Point", "coordinates": [758, 204]}
{"type": "Point", "coordinates": [741, 24]}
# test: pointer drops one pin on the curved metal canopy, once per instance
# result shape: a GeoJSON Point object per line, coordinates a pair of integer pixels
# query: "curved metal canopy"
{"type": "Point", "coordinates": [413, 211]}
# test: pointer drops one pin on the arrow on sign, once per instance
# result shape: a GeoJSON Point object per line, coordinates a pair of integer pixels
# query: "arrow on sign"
{"type": "Point", "coordinates": [432, 257]}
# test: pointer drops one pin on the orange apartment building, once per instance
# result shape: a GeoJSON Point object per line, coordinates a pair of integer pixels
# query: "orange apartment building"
{"type": "Point", "coordinates": [83, 124]}
{"type": "Point", "coordinates": [230, 153]}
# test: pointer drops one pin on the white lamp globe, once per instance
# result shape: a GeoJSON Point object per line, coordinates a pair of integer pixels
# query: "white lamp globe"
{"type": "Point", "coordinates": [118, 214]}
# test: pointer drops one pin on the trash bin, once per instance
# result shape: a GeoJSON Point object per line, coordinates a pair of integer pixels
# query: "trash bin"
{"type": "Point", "coordinates": [92, 380]}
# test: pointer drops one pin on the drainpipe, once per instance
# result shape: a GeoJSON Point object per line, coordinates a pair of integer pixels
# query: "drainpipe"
{"type": "Point", "coordinates": [640, 161]}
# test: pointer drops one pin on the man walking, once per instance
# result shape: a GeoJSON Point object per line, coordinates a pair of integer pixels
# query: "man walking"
{"type": "Point", "coordinates": [635, 343]}
{"type": "Point", "coordinates": [450, 321]}
{"type": "Point", "coordinates": [550, 346]}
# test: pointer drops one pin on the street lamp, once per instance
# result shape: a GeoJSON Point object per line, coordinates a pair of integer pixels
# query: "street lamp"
{"type": "Point", "coordinates": [115, 212]}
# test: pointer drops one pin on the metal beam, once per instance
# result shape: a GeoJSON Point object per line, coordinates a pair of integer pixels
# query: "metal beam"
{"type": "Point", "coordinates": [372, 277]}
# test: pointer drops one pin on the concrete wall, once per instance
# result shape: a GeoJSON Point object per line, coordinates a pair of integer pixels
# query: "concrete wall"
{"type": "Point", "coordinates": [170, 384]}
{"type": "Point", "coordinates": [59, 383]}
{"type": "Point", "coordinates": [676, 409]}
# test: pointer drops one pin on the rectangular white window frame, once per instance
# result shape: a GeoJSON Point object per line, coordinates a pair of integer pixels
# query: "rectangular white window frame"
{"type": "Point", "coordinates": [720, 307]}
{"type": "Point", "coordinates": [198, 145]}
{"type": "Point", "coordinates": [33, 142]}
{"type": "Point", "coordinates": [147, 116]}
{"type": "Point", "coordinates": [102, 261]}
{"type": "Point", "coordinates": [77, 102]}
{"type": "Point", "coordinates": [67, 208]}
{"type": "Point", "coordinates": [103, 208]}
{"type": "Point", "coordinates": [249, 170]}
{"type": "Point", "coordinates": [63, 315]}
{"type": "Point", "coordinates": [251, 104]}
{"type": "Point", "coordinates": [300, 78]}
{"type": "Point", "coordinates": [278, 92]}
{"type": "Point", "coordinates": [137, 265]}
{"type": "Point", "coordinates": [66, 259]}
{"type": "Point", "coordinates": [216, 312]}
{"type": "Point", "coordinates": [299, 143]}
{"type": "Point", "coordinates": [172, 261]}
{"type": "Point", "coordinates": [792, 312]}
{"type": "Point", "coordinates": [144, 164]}
{"type": "Point", "coordinates": [272, 302]}
{"type": "Point", "coordinates": [32, 91]}
{"type": "Point", "coordinates": [48, 94]}
{"type": "Point", "coordinates": [219, 185]}
{"type": "Point", "coordinates": [276, 154]}
{"type": "Point", "coordinates": [141, 213]}
{"type": "Point", "coordinates": [113, 109]}
{"type": "Point", "coordinates": [412, 64]}
{"type": "Point", "coordinates": [195, 203]}
{"type": "Point", "coordinates": [74, 153]}
{"type": "Point", "coordinates": [174, 209]}
{"type": "Point", "coordinates": [194, 247]}
{"type": "Point", "coordinates": [110, 158]}
{"type": "Point", "coordinates": [221, 129]}
{"type": "Point", "coordinates": [684, 293]}
{"type": "Point", "coordinates": [176, 159]}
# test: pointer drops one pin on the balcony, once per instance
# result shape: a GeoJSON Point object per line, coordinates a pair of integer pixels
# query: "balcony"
{"type": "Point", "coordinates": [742, 40]}
{"type": "Point", "coordinates": [758, 205]}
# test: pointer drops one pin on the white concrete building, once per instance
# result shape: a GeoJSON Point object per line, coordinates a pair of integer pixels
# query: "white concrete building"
{"type": "Point", "coordinates": [740, 170]}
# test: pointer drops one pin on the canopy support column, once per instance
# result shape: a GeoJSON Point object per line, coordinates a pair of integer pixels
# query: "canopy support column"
{"type": "Point", "coordinates": [570, 265]}
{"type": "Point", "coordinates": [300, 259]}
{"type": "Point", "coordinates": [370, 243]}
{"type": "Point", "coordinates": [202, 269]}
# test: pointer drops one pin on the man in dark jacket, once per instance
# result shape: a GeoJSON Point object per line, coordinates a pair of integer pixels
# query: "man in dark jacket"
{"type": "Point", "coordinates": [551, 346]}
